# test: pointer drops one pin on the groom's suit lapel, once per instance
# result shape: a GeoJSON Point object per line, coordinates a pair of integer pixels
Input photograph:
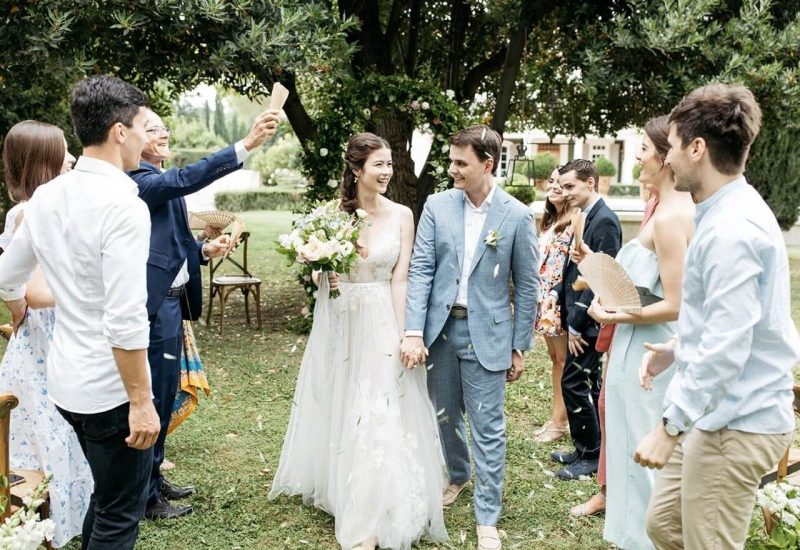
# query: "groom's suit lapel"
{"type": "Point", "coordinates": [456, 219]}
{"type": "Point", "coordinates": [498, 211]}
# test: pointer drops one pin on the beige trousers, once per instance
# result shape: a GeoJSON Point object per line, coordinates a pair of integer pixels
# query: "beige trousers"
{"type": "Point", "coordinates": [704, 496]}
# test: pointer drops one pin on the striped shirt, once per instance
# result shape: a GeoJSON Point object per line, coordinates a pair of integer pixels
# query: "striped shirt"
{"type": "Point", "coordinates": [737, 343]}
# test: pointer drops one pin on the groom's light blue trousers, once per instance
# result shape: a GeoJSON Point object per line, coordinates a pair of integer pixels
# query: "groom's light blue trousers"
{"type": "Point", "coordinates": [459, 384]}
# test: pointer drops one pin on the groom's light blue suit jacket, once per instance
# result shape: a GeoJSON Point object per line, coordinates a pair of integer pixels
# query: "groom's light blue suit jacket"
{"type": "Point", "coordinates": [435, 273]}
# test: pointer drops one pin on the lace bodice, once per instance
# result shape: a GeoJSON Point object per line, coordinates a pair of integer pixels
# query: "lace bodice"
{"type": "Point", "coordinates": [378, 265]}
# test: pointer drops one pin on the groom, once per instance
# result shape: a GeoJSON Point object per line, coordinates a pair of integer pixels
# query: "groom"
{"type": "Point", "coordinates": [470, 242]}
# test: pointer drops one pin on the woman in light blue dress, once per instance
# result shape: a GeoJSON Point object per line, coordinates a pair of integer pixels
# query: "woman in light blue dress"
{"type": "Point", "coordinates": [654, 260]}
{"type": "Point", "coordinates": [40, 438]}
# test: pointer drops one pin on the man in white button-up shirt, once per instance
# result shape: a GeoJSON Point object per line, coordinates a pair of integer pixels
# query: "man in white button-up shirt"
{"type": "Point", "coordinates": [728, 410]}
{"type": "Point", "coordinates": [89, 232]}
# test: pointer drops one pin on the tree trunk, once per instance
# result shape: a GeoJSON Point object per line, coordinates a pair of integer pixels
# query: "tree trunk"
{"type": "Point", "coordinates": [508, 78]}
{"type": "Point", "coordinates": [398, 128]}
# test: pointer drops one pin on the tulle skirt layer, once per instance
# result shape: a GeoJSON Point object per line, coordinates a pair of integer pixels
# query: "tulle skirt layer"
{"type": "Point", "coordinates": [363, 440]}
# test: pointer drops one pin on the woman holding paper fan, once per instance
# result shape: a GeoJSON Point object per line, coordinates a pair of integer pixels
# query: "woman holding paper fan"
{"type": "Point", "coordinates": [556, 234]}
{"type": "Point", "coordinates": [654, 261]}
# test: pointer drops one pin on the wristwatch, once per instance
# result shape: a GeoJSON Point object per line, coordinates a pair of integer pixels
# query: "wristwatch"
{"type": "Point", "coordinates": [671, 428]}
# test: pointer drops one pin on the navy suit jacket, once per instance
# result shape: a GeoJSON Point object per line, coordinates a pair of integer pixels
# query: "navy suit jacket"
{"type": "Point", "coordinates": [602, 233]}
{"type": "Point", "coordinates": [171, 240]}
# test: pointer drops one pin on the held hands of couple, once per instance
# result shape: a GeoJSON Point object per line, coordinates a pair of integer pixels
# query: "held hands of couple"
{"type": "Point", "coordinates": [656, 360]}
{"type": "Point", "coordinates": [144, 425]}
{"type": "Point", "coordinates": [18, 309]}
{"type": "Point", "coordinates": [413, 351]}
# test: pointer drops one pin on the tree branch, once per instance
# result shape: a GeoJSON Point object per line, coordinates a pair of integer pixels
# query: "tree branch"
{"type": "Point", "coordinates": [394, 20]}
{"type": "Point", "coordinates": [480, 71]}
{"type": "Point", "coordinates": [459, 17]}
{"type": "Point", "coordinates": [413, 37]}
{"type": "Point", "coordinates": [302, 124]}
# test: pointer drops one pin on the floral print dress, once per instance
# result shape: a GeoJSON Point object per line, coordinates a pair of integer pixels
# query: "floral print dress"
{"type": "Point", "coordinates": [553, 252]}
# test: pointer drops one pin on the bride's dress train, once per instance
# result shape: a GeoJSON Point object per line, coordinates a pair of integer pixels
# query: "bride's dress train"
{"type": "Point", "coordinates": [363, 439]}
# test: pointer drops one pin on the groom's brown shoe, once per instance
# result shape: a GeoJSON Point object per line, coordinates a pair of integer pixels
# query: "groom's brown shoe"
{"type": "Point", "coordinates": [452, 492]}
{"type": "Point", "coordinates": [488, 538]}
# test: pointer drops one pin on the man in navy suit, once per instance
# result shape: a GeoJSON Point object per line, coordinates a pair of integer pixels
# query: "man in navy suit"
{"type": "Point", "coordinates": [580, 382]}
{"type": "Point", "coordinates": [174, 290]}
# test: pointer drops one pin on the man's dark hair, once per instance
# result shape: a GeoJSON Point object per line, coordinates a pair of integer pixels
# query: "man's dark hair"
{"type": "Point", "coordinates": [728, 118]}
{"type": "Point", "coordinates": [584, 169]}
{"type": "Point", "coordinates": [99, 102]}
{"type": "Point", "coordinates": [484, 141]}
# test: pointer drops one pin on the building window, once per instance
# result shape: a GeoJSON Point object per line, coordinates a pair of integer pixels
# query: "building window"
{"type": "Point", "coordinates": [599, 151]}
{"type": "Point", "coordinates": [503, 161]}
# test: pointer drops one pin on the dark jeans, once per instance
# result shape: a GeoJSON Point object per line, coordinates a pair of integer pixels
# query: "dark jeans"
{"type": "Point", "coordinates": [580, 385]}
{"type": "Point", "coordinates": [120, 476]}
{"type": "Point", "coordinates": [164, 355]}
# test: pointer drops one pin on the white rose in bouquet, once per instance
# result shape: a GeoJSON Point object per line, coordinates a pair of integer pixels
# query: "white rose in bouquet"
{"type": "Point", "coordinates": [312, 251]}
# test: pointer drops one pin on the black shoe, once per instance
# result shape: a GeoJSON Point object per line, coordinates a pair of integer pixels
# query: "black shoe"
{"type": "Point", "coordinates": [581, 467]}
{"type": "Point", "coordinates": [162, 509]}
{"type": "Point", "coordinates": [565, 457]}
{"type": "Point", "coordinates": [171, 492]}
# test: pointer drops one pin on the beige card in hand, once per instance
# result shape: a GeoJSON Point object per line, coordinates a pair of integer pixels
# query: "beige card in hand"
{"type": "Point", "coordinates": [279, 96]}
{"type": "Point", "coordinates": [578, 222]}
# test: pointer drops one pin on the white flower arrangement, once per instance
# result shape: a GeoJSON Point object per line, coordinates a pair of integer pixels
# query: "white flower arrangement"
{"type": "Point", "coordinates": [325, 239]}
{"type": "Point", "coordinates": [492, 238]}
{"type": "Point", "coordinates": [781, 505]}
{"type": "Point", "coordinates": [24, 529]}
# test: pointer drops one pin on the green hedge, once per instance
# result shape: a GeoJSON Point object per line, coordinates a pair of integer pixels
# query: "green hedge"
{"type": "Point", "coordinates": [620, 190]}
{"type": "Point", "coordinates": [262, 199]}
{"type": "Point", "coordinates": [526, 194]}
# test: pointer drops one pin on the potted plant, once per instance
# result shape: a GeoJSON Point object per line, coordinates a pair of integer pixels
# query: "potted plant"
{"type": "Point", "coordinates": [607, 170]}
{"type": "Point", "coordinates": [543, 166]}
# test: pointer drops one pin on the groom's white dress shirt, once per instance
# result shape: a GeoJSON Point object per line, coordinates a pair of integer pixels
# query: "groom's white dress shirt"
{"type": "Point", "coordinates": [474, 218]}
{"type": "Point", "coordinates": [737, 343]}
{"type": "Point", "coordinates": [90, 233]}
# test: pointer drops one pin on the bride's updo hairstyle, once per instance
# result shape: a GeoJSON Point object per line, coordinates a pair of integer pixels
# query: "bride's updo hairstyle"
{"type": "Point", "coordinates": [359, 148]}
{"type": "Point", "coordinates": [657, 129]}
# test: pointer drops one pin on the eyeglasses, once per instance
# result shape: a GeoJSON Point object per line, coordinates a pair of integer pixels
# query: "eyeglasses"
{"type": "Point", "coordinates": [158, 130]}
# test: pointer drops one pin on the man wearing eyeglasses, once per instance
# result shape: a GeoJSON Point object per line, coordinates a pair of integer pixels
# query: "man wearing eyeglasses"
{"type": "Point", "coordinates": [174, 284]}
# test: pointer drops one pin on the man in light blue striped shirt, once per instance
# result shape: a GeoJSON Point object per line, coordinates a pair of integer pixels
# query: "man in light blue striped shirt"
{"type": "Point", "coordinates": [728, 410]}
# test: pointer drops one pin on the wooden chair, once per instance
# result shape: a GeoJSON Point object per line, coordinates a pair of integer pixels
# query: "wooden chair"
{"type": "Point", "coordinates": [223, 285]}
{"type": "Point", "coordinates": [31, 478]}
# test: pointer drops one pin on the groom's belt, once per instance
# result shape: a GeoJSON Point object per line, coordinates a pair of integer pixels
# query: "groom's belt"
{"type": "Point", "coordinates": [177, 291]}
{"type": "Point", "coordinates": [458, 312]}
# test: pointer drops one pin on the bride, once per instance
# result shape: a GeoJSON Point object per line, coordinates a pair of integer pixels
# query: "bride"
{"type": "Point", "coordinates": [363, 440]}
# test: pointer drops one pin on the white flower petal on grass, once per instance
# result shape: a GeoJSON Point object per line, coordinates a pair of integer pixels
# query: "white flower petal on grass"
{"type": "Point", "coordinates": [547, 486]}
{"type": "Point", "coordinates": [462, 536]}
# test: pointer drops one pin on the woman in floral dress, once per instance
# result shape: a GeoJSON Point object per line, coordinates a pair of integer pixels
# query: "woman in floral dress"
{"type": "Point", "coordinates": [554, 240]}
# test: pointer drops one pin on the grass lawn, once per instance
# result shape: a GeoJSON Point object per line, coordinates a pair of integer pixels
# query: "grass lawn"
{"type": "Point", "coordinates": [229, 448]}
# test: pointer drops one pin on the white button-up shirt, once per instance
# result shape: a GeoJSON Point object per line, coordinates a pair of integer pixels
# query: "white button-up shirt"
{"type": "Point", "coordinates": [90, 233]}
{"type": "Point", "coordinates": [474, 218]}
{"type": "Point", "coordinates": [737, 343]}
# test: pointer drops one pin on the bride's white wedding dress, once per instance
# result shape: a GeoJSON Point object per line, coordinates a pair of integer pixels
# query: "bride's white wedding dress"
{"type": "Point", "coordinates": [363, 439]}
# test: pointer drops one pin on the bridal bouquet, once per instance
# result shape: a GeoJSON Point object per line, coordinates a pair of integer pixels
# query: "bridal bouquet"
{"type": "Point", "coordinates": [324, 239]}
{"type": "Point", "coordinates": [24, 529]}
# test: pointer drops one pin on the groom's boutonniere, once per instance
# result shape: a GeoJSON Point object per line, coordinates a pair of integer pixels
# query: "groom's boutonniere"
{"type": "Point", "coordinates": [492, 238]}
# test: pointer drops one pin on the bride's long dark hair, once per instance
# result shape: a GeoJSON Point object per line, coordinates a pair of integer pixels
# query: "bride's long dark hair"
{"type": "Point", "coordinates": [358, 149]}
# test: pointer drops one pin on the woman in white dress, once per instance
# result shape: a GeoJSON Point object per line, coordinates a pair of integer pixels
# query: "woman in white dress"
{"type": "Point", "coordinates": [40, 438]}
{"type": "Point", "coordinates": [363, 439]}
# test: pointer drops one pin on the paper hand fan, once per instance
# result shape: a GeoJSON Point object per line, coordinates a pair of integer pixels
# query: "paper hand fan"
{"type": "Point", "coordinates": [278, 97]}
{"type": "Point", "coordinates": [609, 281]}
{"type": "Point", "coordinates": [578, 222]}
{"type": "Point", "coordinates": [215, 218]}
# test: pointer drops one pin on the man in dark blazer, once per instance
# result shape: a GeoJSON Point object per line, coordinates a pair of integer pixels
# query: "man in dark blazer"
{"type": "Point", "coordinates": [174, 285]}
{"type": "Point", "coordinates": [580, 382]}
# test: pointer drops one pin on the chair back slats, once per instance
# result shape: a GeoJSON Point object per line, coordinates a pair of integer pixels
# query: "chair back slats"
{"type": "Point", "coordinates": [7, 403]}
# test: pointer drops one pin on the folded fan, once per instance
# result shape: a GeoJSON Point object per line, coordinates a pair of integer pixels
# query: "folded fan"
{"type": "Point", "coordinates": [578, 221]}
{"type": "Point", "coordinates": [218, 219]}
{"type": "Point", "coordinates": [609, 282]}
{"type": "Point", "coordinates": [278, 97]}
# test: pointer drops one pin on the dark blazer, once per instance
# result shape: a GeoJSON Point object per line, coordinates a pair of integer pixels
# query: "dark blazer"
{"type": "Point", "coordinates": [602, 233]}
{"type": "Point", "coordinates": [171, 240]}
